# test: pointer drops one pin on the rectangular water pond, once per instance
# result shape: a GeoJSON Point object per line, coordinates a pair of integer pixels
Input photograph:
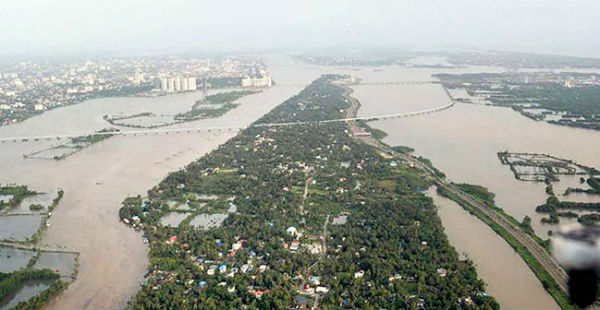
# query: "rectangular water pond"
{"type": "Point", "coordinates": [173, 219]}
{"type": "Point", "coordinates": [12, 259]}
{"type": "Point", "coordinates": [61, 262]}
{"type": "Point", "coordinates": [207, 221]}
{"type": "Point", "coordinates": [19, 227]}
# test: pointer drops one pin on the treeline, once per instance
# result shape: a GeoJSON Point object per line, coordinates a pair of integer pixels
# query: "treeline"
{"type": "Point", "coordinates": [225, 99]}
{"type": "Point", "coordinates": [18, 193]}
{"type": "Point", "coordinates": [12, 282]}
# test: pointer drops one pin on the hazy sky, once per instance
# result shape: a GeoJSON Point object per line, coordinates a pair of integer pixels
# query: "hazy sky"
{"type": "Point", "coordinates": [134, 26]}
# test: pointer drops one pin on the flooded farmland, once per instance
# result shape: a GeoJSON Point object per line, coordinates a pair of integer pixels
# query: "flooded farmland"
{"type": "Point", "coordinates": [12, 259]}
{"type": "Point", "coordinates": [97, 179]}
{"type": "Point", "coordinates": [28, 290]}
{"type": "Point", "coordinates": [173, 219]}
{"type": "Point", "coordinates": [19, 227]}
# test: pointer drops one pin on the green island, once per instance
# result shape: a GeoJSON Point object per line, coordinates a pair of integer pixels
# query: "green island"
{"type": "Point", "coordinates": [209, 107]}
{"type": "Point", "coordinates": [202, 108]}
{"type": "Point", "coordinates": [321, 220]}
{"type": "Point", "coordinates": [72, 145]}
{"type": "Point", "coordinates": [543, 167]}
{"type": "Point", "coordinates": [556, 208]}
{"type": "Point", "coordinates": [566, 98]}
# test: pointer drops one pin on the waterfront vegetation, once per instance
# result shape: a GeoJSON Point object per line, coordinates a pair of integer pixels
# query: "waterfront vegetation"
{"type": "Point", "coordinates": [14, 195]}
{"type": "Point", "coordinates": [542, 167]}
{"type": "Point", "coordinates": [10, 283]}
{"type": "Point", "coordinates": [279, 249]}
{"type": "Point", "coordinates": [403, 149]}
{"type": "Point", "coordinates": [592, 182]}
{"type": "Point", "coordinates": [102, 134]}
{"type": "Point", "coordinates": [547, 281]}
{"type": "Point", "coordinates": [556, 209]}
{"type": "Point", "coordinates": [209, 107]}
{"type": "Point", "coordinates": [575, 106]}
{"type": "Point", "coordinates": [478, 191]}
{"type": "Point", "coordinates": [13, 116]}
{"type": "Point", "coordinates": [202, 108]}
{"type": "Point", "coordinates": [72, 145]}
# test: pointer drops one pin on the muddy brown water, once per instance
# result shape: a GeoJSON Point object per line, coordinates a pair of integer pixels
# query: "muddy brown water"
{"type": "Point", "coordinates": [97, 179]}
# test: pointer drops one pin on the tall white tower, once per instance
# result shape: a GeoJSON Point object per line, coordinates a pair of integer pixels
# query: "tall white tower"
{"type": "Point", "coordinates": [177, 84]}
{"type": "Point", "coordinates": [192, 83]}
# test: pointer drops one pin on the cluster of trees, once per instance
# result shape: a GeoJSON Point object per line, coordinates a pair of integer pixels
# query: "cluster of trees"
{"type": "Point", "coordinates": [594, 184]}
{"type": "Point", "coordinates": [577, 102]}
{"type": "Point", "coordinates": [104, 133]}
{"type": "Point", "coordinates": [199, 110]}
{"type": "Point", "coordinates": [556, 208]}
{"type": "Point", "coordinates": [18, 193]}
{"type": "Point", "coordinates": [478, 191]}
{"type": "Point", "coordinates": [393, 232]}
{"type": "Point", "coordinates": [12, 282]}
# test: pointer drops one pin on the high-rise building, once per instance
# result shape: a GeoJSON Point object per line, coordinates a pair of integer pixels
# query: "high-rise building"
{"type": "Point", "coordinates": [192, 83]}
{"type": "Point", "coordinates": [171, 85]}
{"type": "Point", "coordinates": [184, 84]}
{"type": "Point", "coordinates": [163, 84]}
{"type": "Point", "coordinates": [264, 81]}
{"type": "Point", "coordinates": [177, 84]}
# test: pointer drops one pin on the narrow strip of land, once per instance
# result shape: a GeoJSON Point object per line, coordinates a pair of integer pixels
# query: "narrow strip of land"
{"type": "Point", "coordinates": [549, 264]}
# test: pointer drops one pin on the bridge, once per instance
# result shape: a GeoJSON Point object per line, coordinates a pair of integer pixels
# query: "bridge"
{"type": "Point", "coordinates": [424, 82]}
{"type": "Point", "coordinates": [165, 131]}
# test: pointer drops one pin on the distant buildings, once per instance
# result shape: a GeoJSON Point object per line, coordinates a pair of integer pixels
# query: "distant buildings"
{"type": "Point", "coordinates": [264, 81]}
{"type": "Point", "coordinates": [177, 84]}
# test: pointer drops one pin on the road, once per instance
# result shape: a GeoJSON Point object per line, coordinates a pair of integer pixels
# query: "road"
{"type": "Point", "coordinates": [539, 253]}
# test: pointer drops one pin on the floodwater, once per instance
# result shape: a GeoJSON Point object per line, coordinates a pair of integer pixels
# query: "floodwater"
{"type": "Point", "coordinates": [463, 142]}
{"type": "Point", "coordinates": [62, 263]}
{"type": "Point", "coordinates": [517, 289]}
{"type": "Point", "coordinates": [113, 257]}
{"type": "Point", "coordinates": [173, 219]}
{"type": "Point", "coordinates": [43, 199]}
{"type": "Point", "coordinates": [207, 221]}
{"type": "Point", "coordinates": [19, 227]}
{"type": "Point", "coordinates": [12, 259]}
{"type": "Point", "coordinates": [28, 290]}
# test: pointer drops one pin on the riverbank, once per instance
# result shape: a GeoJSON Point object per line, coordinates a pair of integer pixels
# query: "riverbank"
{"type": "Point", "coordinates": [97, 178]}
